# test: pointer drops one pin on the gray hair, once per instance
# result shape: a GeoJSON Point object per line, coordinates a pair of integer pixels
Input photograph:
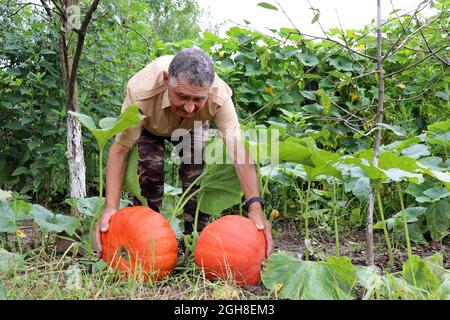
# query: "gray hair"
{"type": "Point", "coordinates": [193, 65]}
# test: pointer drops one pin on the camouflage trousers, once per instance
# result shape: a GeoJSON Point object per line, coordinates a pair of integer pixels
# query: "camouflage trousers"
{"type": "Point", "coordinates": [150, 170]}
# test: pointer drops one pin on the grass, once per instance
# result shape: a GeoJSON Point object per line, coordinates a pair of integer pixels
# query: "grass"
{"type": "Point", "coordinates": [51, 277]}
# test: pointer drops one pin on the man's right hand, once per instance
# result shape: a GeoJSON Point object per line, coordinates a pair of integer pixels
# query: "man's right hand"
{"type": "Point", "coordinates": [102, 225]}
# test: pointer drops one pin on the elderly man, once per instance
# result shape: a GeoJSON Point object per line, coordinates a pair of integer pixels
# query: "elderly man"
{"type": "Point", "coordinates": [179, 92]}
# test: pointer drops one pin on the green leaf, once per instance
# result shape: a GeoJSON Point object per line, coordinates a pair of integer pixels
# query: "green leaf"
{"type": "Point", "coordinates": [89, 206]}
{"type": "Point", "coordinates": [294, 152]}
{"type": "Point", "coordinates": [395, 129]}
{"type": "Point", "coordinates": [416, 234]}
{"type": "Point", "coordinates": [295, 279]}
{"type": "Point", "coordinates": [48, 222]}
{"type": "Point", "coordinates": [316, 15]}
{"type": "Point", "coordinates": [396, 221]}
{"type": "Point", "coordinates": [416, 151]}
{"type": "Point", "coordinates": [417, 272]}
{"type": "Point", "coordinates": [325, 101]}
{"type": "Point", "coordinates": [219, 188]}
{"type": "Point", "coordinates": [437, 193]}
{"type": "Point", "coordinates": [444, 288]}
{"type": "Point", "coordinates": [10, 261]}
{"type": "Point", "coordinates": [440, 126]}
{"type": "Point", "coordinates": [3, 292]}
{"type": "Point", "coordinates": [370, 171]}
{"type": "Point", "coordinates": [20, 170]}
{"type": "Point", "coordinates": [308, 94]}
{"type": "Point", "coordinates": [84, 119]}
{"type": "Point", "coordinates": [10, 217]}
{"type": "Point", "coordinates": [442, 95]}
{"type": "Point", "coordinates": [266, 5]}
{"type": "Point", "coordinates": [308, 59]}
{"type": "Point", "coordinates": [172, 191]}
{"type": "Point", "coordinates": [438, 219]}
{"type": "Point", "coordinates": [396, 174]}
{"type": "Point", "coordinates": [342, 63]}
{"type": "Point", "coordinates": [110, 126]}
{"type": "Point", "coordinates": [369, 279]}
{"type": "Point", "coordinates": [131, 182]}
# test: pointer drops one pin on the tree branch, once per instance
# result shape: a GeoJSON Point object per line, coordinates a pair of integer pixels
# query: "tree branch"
{"type": "Point", "coordinates": [416, 11]}
{"type": "Point", "coordinates": [80, 43]}
{"type": "Point", "coordinates": [417, 62]}
{"type": "Point", "coordinates": [429, 48]}
{"type": "Point", "coordinates": [391, 51]}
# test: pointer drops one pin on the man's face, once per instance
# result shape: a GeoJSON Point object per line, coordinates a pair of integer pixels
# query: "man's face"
{"type": "Point", "coordinates": [185, 99]}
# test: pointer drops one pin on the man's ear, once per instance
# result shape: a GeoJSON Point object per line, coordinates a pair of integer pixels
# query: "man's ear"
{"type": "Point", "coordinates": [166, 77]}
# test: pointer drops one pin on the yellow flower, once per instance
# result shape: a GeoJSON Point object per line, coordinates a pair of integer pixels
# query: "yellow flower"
{"type": "Point", "coordinates": [360, 47]}
{"type": "Point", "coordinates": [353, 96]}
{"type": "Point", "coordinates": [268, 90]}
{"type": "Point", "coordinates": [275, 213]}
{"type": "Point", "coordinates": [401, 86]}
{"type": "Point", "coordinates": [221, 54]}
{"type": "Point", "coordinates": [20, 234]}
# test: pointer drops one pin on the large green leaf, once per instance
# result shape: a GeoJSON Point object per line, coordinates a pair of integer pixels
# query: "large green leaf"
{"type": "Point", "coordinates": [416, 151]}
{"type": "Point", "coordinates": [371, 172]}
{"type": "Point", "coordinates": [427, 191]}
{"type": "Point", "coordinates": [342, 63]}
{"type": "Point", "coordinates": [110, 126]}
{"type": "Point", "coordinates": [219, 188]}
{"type": "Point", "coordinates": [49, 222]}
{"type": "Point", "coordinates": [324, 162]}
{"type": "Point", "coordinates": [438, 219]}
{"type": "Point", "coordinates": [308, 59]}
{"type": "Point", "coordinates": [10, 261]}
{"type": "Point", "coordinates": [291, 151]}
{"type": "Point", "coordinates": [131, 181]}
{"type": "Point", "coordinates": [440, 126]}
{"type": "Point", "coordinates": [417, 272]}
{"type": "Point", "coordinates": [396, 221]}
{"type": "Point", "coordinates": [11, 213]}
{"type": "Point", "coordinates": [296, 279]}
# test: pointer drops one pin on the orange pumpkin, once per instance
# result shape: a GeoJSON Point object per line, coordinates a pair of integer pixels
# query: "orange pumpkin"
{"type": "Point", "coordinates": [140, 243]}
{"type": "Point", "coordinates": [231, 248]}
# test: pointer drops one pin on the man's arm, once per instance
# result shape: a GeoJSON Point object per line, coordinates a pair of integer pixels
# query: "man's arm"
{"type": "Point", "coordinates": [228, 124]}
{"type": "Point", "coordinates": [246, 172]}
{"type": "Point", "coordinates": [115, 172]}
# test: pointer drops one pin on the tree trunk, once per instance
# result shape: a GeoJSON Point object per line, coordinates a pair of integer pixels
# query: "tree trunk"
{"type": "Point", "coordinates": [377, 142]}
{"type": "Point", "coordinates": [74, 154]}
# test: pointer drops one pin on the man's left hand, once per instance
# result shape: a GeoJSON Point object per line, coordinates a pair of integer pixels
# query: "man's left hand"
{"type": "Point", "coordinates": [256, 214]}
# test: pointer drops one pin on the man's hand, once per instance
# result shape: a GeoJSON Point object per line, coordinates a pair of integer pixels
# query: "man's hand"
{"type": "Point", "coordinates": [256, 214]}
{"type": "Point", "coordinates": [102, 225]}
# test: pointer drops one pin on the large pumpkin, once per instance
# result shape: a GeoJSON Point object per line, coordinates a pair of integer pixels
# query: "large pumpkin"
{"type": "Point", "coordinates": [140, 243]}
{"type": "Point", "coordinates": [231, 248]}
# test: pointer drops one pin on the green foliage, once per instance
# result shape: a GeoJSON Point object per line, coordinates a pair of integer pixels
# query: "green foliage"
{"type": "Point", "coordinates": [10, 262]}
{"type": "Point", "coordinates": [338, 279]}
{"type": "Point", "coordinates": [32, 123]}
{"type": "Point", "coordinates": [295, 279]}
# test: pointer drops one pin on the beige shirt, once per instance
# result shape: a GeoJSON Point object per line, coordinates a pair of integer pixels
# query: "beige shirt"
{"type": "Point", "coordinates": [148, 90]}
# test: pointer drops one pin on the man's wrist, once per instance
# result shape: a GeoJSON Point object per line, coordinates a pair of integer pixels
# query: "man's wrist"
{"type": "Point", "coordinates": [253, 202]}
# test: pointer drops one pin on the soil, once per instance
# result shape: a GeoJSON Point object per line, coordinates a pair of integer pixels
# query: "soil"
{"type": "Point", "coordinates": [353, 245]}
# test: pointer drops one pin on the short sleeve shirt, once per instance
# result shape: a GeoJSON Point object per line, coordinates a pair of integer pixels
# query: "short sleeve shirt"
{"type": "Point", "coordinates": [148, 90]}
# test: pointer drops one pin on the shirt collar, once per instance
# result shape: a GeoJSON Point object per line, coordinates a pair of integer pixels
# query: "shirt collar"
{"type": "Point", "coordinates": [165, 100]}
